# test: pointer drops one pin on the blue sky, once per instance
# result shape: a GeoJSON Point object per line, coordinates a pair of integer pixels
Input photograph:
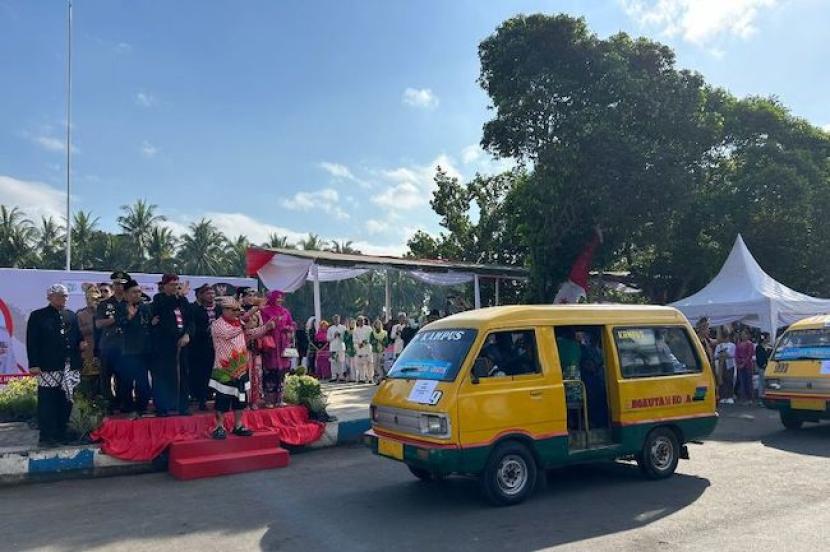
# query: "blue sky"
{"type": "Point", "coordinates": [319, 116]}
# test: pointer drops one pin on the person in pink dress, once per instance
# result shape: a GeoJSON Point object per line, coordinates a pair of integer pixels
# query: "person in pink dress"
{"type": "Point", "coordinates": [275, 363]}
{"type": "Point", "coordinates": [323, 361]}
{"type": "Point", "coordinates": [745, 362]}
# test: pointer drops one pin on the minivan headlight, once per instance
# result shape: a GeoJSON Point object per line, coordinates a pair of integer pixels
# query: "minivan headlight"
{"type": "Point", "coordinates": [773, 384]}
{"type": "Point", "coordinates": [434, 424]}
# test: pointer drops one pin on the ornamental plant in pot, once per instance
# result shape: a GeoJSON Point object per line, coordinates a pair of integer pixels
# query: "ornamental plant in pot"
{"type": "Point", "coordinates": [306, 391]}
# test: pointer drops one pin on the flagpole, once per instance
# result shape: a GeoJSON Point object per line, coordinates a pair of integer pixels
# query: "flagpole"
{"type": "Point", "coordinates": [68, 135]}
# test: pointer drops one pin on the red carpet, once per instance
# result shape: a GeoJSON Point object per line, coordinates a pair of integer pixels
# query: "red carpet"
{"type": "Point", "coordinates": [143, 439]}
{"type": "Point", "coordinates": [210, 458]}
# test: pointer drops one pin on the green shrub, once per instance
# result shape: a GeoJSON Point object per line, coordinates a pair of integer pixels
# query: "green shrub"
{"type": "Point", "coordinates": [86, 415]}
{"type": "Point", "coordinates": [18, 400]}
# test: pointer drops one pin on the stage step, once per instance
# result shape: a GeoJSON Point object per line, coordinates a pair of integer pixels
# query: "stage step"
{"type": "Point", "coordinates": [229, 463]}
{"type": "Point", "coordinates": [208, 447]}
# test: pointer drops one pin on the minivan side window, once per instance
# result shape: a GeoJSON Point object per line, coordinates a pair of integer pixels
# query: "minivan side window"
{"type": "Point", "coordinates": [510, 353]}
{"type": "Point", "coordinates": [646, 352]}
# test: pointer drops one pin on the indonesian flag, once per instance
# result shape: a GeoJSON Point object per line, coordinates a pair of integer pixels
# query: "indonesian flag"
{"type": "Point", "coordinates": [576, 286]}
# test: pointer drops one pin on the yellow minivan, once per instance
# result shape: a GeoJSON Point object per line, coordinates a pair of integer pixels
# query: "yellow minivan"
{"type": "Point", "coordinates": [502, 393]}
{"type": "Point", "coordinates": [797, 378]}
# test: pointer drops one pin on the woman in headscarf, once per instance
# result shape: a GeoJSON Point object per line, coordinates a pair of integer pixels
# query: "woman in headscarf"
{"type": "Point", "coordinates": [8, 364]}
{"type": "Point", "coordinates": [90, 384]}
{"type": "Point", "coordinates": [275, 363]}
{"type": "Point", "coordinates": [313, 348]}
{"type": "Point", "coordinates": [323, 362]}
{"type": "Point", "coordinates": [252, 318]}
{"type": "Point", "coordinates": [379, 340]}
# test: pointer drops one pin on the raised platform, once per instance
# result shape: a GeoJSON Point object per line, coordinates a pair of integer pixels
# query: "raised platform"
{"type": "Point", "coordinates": [144, 439]}
{"type": "Point", "coordinates": [211, 458]}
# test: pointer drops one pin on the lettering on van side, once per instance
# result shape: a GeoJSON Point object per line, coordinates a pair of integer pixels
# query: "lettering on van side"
{"type": "Point", "coordinates": [666, 400]}
{"type": "Point", "coordinates": [448, 335]}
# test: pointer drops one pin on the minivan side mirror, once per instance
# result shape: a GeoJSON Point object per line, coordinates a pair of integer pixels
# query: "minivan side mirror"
{"type": "Point", "coordinates": [481, 369]}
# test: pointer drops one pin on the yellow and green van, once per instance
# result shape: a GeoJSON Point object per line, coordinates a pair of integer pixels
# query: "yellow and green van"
{"type": "Point", "coordinates": [503, 393]}
{"type": "Point", "coordinates": [797, 378]}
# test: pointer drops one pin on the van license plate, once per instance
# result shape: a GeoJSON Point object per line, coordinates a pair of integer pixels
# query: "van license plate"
{"type": "Point", "coordinates": [808, 404]}
{"type": "Point", "coordinates": [392, 449]}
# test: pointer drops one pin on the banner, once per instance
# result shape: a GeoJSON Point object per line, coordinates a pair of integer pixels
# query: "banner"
{"type": "Point", "coordinates": [22, 291]}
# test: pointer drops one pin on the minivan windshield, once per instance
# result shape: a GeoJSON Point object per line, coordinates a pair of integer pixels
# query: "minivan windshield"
{"type": "Point", "coordinates": [804, 345]}
{"type": "Point", "coordinates": [434, 355]}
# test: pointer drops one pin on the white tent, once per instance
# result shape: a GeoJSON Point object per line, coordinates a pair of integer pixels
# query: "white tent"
{"type": "Point", "coordinates": [743, 292]}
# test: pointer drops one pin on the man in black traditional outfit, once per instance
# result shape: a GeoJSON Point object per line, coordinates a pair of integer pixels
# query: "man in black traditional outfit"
{"type": "Point", "coordinates": [111, 341]}
{"type": "Point", "coordinates": [53, 345]}
{"type": "Point", "coordinates": [172, 328]}
{"type": "Point", "coordinates": [203, 313]}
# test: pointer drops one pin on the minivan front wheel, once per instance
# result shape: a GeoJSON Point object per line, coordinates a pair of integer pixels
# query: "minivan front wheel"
{"type": "Point", "coordinates": [791, 420]}
{"type": "Point", "coordinates": [660, 454]}
{"type": "Point", "coordinates": [509, 475]}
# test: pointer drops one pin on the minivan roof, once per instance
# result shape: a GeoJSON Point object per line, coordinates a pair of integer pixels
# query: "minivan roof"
{"type": "Point", "coordinates": [562, 314]}
{"type": "Point", "coordinates": [812, 323]}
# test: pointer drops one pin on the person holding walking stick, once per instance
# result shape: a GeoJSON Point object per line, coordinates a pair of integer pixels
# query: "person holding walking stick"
{"type": "Point", "coordinates": [172, 328]}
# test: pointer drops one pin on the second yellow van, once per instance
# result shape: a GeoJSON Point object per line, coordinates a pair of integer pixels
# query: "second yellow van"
{"type": "Point", "coordinates": [506, 392]}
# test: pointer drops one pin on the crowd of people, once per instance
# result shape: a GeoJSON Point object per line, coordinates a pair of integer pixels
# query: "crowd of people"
{"type": "Point", "coordinates": [739, 356]}
{"type": "Point", "coordinates": [166, 355]}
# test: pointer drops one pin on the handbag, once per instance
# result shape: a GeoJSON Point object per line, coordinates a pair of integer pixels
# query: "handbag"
{"type": "Point", "coordinates": [290, 352]}
{"type": "Point", "coordinates": [267, 343]}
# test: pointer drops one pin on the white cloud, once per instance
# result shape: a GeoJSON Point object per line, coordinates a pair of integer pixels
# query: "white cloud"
{"type": "Point", "coordinates": [698, 21]}
{"type": "Point", "coordinates": [826, 128]}
{"type": "Point", "coordinates": [374, 226]}
{"type": "Point", "coordinates": [36, 199]}
{"type": "Point", "coordinates": [423, 98]}
{"type": "Point", "coordinates": [148, 150]}
{"type": "Point", "coordinates": [327, 200]}
{"type": "Point", "coordinates": [471, 154]}
{"type": "Point", "coordinates": [410, 187]}
{"type": "Point", "coordinates": [342, 172]}
{"type": "Point", "coordinates": [383, 250]}
{"type": "Point", "coordinates": [145, 99]}
{"type": "Point", "coordinates": [123, 48]}
{"type": "Point", "coordinates": [50, 143]}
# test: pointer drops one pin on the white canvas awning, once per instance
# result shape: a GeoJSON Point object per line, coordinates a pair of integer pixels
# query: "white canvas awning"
{"type": "Point", "coordinates": [743, 292]}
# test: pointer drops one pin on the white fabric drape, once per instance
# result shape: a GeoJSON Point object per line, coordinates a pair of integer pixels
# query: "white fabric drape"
{"type": "Point", "coordinates": [285, 273]}
{"type": "Point", "coordinates": [441, 278]}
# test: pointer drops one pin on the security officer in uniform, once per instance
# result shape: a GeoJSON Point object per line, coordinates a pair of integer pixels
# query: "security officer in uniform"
{"type": "Point", "coordinates": [112, 340]}
{"type": "Point", "coordinates": [53, 345]}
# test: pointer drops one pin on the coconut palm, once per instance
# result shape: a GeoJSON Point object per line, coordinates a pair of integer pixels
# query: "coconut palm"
{"type": "Point", "coordinates": [276, 241]}
{"type": "Point", "coordinates": [236, 256]}
{"type": "Point", "coordinates": [344, 247]}
{"type": "Point", "coordinates": [202, 249]}
{"type": "Point", "coordinates": [161, 250]}
{"type": "Point", "coordinates": [137, 223]}
{"type": "Point", "coordinates": [17, 237]}
{"type": "Point", "coordinates": [83, 227]}
{"type": "Point", "coordinates": [51, 241]}
{"type": "Point", "coordinates": [313, 243]}
{"type": "Point", "coordinates": [111, 252]}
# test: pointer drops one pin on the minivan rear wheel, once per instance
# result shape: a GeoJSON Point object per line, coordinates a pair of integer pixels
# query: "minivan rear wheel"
{"type": "Point", "coordinates": [660, 454]}
{"type": "Point", "coordinates": [509, 476]}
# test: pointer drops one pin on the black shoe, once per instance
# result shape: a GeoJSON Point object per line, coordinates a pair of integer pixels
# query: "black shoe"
{"type": "Point", "coordinates": [242, 431]}
{"type": "Point", "coordinates": [219, 434]}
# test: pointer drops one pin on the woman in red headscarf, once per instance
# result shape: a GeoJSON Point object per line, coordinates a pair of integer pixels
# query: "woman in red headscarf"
{"type": "Point", "coordinates": [275, 362]}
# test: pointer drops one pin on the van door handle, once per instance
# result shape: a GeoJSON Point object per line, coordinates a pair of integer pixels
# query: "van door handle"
{"type": "Point", "coordinates": [536, 393]}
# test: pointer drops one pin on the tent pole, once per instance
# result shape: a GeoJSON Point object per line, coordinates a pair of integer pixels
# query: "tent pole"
{"type": "Point", "coordinates": [388, 296]}
{"type": "Point", "coordinates": [317, 307]}
{"type": "Point", "coordinates": [497, 291]}
{"type": "Point", "coordinates": [477, 291]}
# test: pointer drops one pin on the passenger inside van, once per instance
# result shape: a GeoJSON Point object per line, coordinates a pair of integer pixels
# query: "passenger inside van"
{"type": "Point", "coordinates": [592, 373]}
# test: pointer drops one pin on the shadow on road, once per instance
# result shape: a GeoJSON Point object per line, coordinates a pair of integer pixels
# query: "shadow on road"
{"type": "Point", "coordinates": [812, 439]}
{"type": "Point", "coordinates": [571, 505]}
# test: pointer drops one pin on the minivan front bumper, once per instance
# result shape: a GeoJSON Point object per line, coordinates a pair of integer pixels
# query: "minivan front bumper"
{"type": "Point", "coordinates": [438, 458]}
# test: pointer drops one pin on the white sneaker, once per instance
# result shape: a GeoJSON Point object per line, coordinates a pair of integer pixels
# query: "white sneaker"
{"type": "Point", "coordinates": [730, 401]}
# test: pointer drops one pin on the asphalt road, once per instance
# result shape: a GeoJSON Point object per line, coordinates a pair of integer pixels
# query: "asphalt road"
{"type": "Point", "coordinates": [753, 486]}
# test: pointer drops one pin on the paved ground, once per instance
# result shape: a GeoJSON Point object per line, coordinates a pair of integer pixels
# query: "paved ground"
{"type": "Point", "coordinates": [752, 487]}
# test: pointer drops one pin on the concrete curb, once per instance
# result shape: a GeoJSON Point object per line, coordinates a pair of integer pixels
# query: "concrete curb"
{"type": "Point", "coordinates": [88, 460]}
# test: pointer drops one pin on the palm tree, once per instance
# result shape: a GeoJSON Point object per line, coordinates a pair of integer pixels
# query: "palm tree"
{"type": "Point", "coordinates": [202, 248]}
{"type": "Point", "coordinates": [236, 256]}
{"type": "Point", "coordinates": [313, 243]}
{"type": "Point", "coordinates": [137, 222]}
{"type": "Point", "coordinates": [344, 247]}
{"type": "Point", "coordinates": [50, 243]}
{"type": "Point", "coordinates": [17, 234]}
{"type": "Point", "coordinates": [278, 242]}
{"type": "Point", "coordinates": [83, 227]}
{"type": "Point", "coordinates": [161, 250]}
{"type": "Point", "coordinates": [110, 252]}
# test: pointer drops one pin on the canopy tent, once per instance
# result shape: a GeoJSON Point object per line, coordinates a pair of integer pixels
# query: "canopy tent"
{"type": "Point", "coordinates": [288, 269]}
{"type": "Point", "coordinates": [743, 292]}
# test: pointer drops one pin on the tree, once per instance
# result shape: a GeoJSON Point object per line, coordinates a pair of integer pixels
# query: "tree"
{"type": "Point", "coordinates": [236, 256]}
{"type": "Point", "coordinates": [161, 251]}
{"type": "Point", "coordinates": [344, 247]}
{"type": "Point", "coordinates": [313, 243]}
{"type": "Point", "coordinates": [278, 242]}
{"type": "Point", "coordinates": [616, 134]}
{"type": "Point", "coordinates": [202, 249]}
{"type": "Point", "coordinates": [83, 227]}
{"type": "Point", "coordinates": [137, 223]}
{"type": "Point", "coordinates": [51, 243]}
{"type": "Point", "coordinates": [17, 236]}
{"type": "Point", "coordinates": [112, 252]}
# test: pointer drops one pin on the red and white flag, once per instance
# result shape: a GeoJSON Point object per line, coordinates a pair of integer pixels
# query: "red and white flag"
{"type": "Point", "coordinates": [575, 287]}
